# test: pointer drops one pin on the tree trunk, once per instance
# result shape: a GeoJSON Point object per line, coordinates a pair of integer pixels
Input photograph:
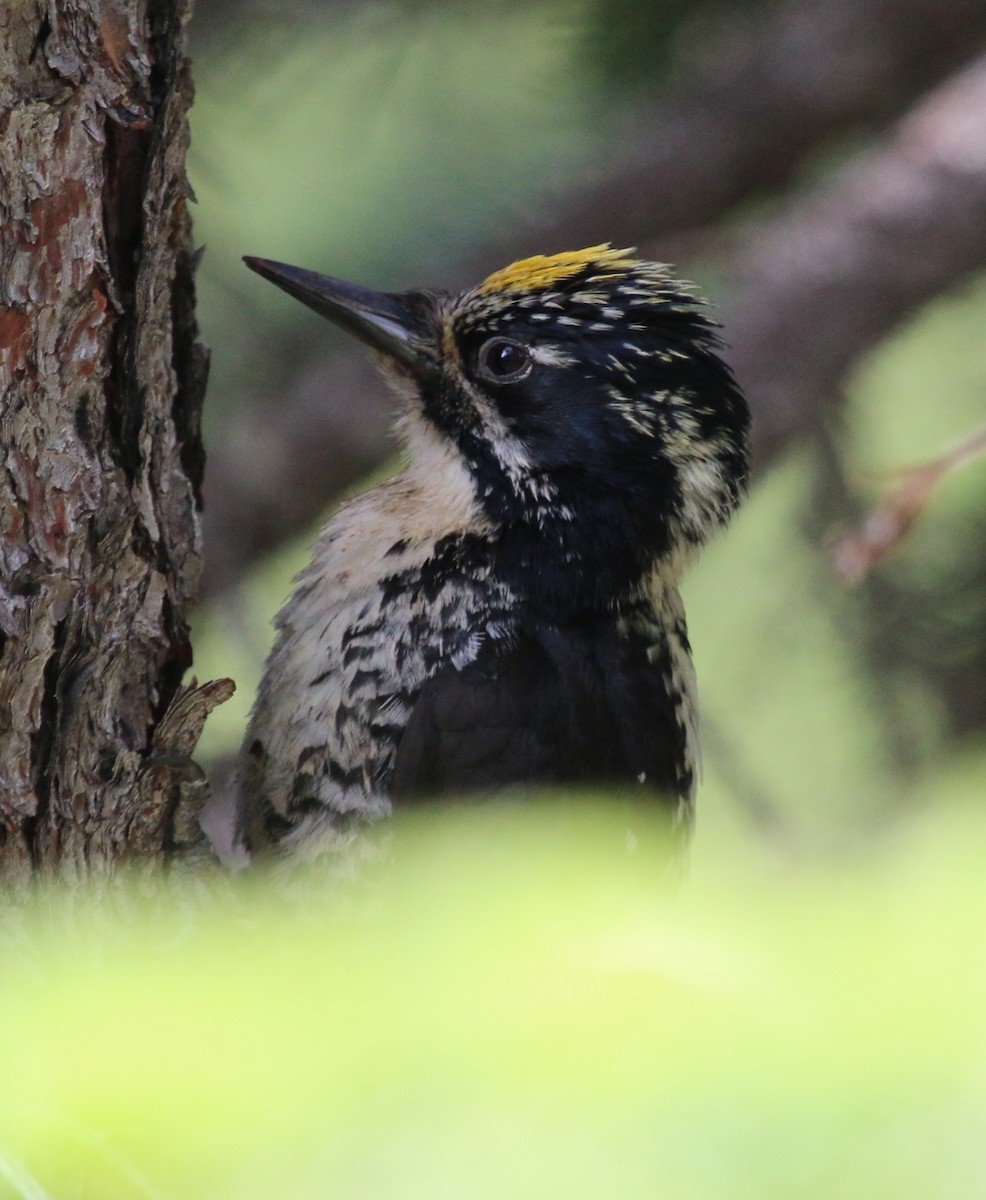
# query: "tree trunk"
{"type": "Point", "coordinates": [102, 384]}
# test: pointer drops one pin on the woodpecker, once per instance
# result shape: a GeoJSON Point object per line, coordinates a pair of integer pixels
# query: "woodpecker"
{"type": "Point", "coordinates": [505, 612]}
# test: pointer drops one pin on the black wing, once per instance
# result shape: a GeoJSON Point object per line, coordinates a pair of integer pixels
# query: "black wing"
{"type": "Point", "coordinates": [550, 706]}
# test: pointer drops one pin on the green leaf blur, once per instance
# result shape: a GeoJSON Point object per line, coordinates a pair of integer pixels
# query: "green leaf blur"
{"type": "Point", "coordinates": [511, 1002]}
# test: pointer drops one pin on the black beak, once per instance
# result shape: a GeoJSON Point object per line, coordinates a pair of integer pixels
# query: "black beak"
{"type": "Point", "coordinates": [387, 321]}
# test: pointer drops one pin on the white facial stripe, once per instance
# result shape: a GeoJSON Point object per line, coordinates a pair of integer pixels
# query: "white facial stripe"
{"type": "Point", "coordinates": [551, 356]}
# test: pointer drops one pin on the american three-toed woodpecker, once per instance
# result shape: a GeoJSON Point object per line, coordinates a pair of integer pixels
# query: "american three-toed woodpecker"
{"type": "Point", "coordinates": [506, 610]}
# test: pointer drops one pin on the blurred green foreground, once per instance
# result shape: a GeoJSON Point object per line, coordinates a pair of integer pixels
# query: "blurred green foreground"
{"type": "Point", "coordinates": [511, 1003]}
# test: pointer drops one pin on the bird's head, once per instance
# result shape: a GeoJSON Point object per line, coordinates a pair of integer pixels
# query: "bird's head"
{"type": "Point", "coordinates": [584, 393]}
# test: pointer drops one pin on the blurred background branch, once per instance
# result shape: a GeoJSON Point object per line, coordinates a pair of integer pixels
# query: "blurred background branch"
{"type": "Point", "coordinates": [889, 523]}
{"type": "Point", "coordinates": [754, 90]}
{"type": "Point", "coordinates": [847, 261]}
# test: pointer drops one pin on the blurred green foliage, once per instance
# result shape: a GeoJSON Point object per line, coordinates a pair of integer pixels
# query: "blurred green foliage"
{"type": "Point", "coordinates": [511, 1002]}
{"type": "Point", "coordinates": [382, 143]}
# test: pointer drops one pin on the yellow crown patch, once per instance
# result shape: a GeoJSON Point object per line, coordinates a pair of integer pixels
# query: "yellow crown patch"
{"type": "Point", "coordinates": [540, 272]}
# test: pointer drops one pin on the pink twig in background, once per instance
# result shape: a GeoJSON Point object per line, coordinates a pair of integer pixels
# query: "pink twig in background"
{"type": "Point", "coordinates": [889, 523]}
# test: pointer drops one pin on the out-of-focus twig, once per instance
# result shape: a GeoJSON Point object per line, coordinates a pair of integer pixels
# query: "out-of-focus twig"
{"type": "Point", "coordinates": [889, 523]}
{"type": "Point", "coordinates": [820, 285]}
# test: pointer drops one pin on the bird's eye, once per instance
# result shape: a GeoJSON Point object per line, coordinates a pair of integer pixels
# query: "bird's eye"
{"type": "Point", "coordinates": [503, 361]}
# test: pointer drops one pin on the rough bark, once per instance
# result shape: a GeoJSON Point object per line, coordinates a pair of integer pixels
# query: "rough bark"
{"type": "Point", "coordinates": [102, 385]}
